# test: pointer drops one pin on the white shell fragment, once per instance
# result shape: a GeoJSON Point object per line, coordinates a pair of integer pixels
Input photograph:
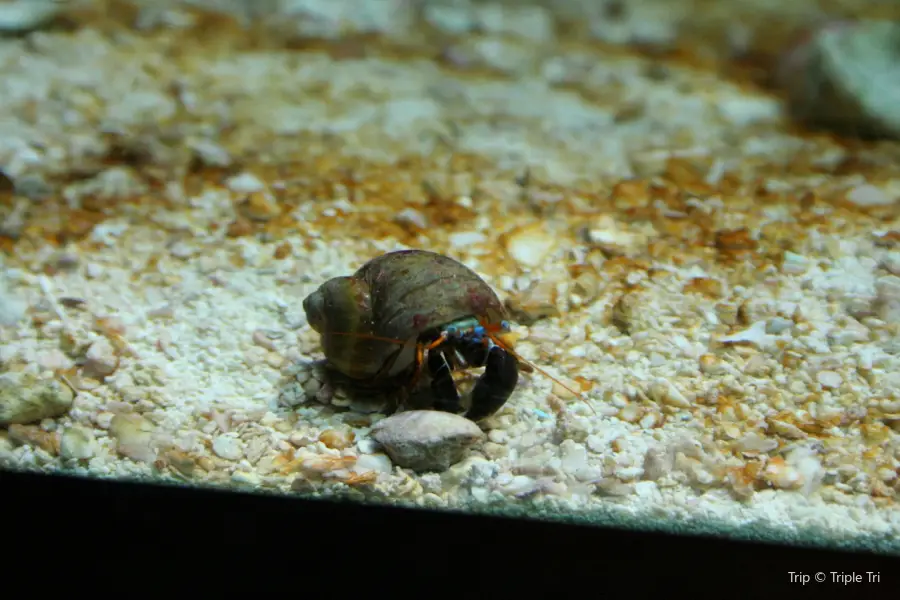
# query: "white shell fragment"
{"type": "Point", "coordinates": [228, 447]}
{"type": "Point", "coordinates": [869, 195]}
{"type": "Point", "coordinates": [19, 16]}
{"type": "Point", "coordinates": [134, 437]}
{"type": "Point", "coordinates": [426, 440]}
{"type": "Point", "coordinates": [755, 334]}
{"type": "Point", "coordinates": [829, 379]}
{"type": "Point", "coordinates": [78, 443]}
{"type": "Point", "coordinates": [887, 301]}
{"type": "Point", "coordinates": [26, 399]}
{"type": "Point", "coordinates": [611, 237]}
{"type": "Point", "coordinates": [794, 264]}
{"type": "Point", "coordinates": [245, 183]}
{"type": "Point", "coordinates": [374, 462]}
{"type": "Point", "coordinates": [782, 476]}
{"type": "Point", "coordinates": [101, 359]}
{"type": "Point", "coordinates": [755, 443]}
{"type": "Point", "coordinates": [530, 246]}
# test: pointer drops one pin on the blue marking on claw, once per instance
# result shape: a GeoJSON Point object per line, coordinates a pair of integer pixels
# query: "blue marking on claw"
{"type": "Point", "coordinates": [479, 332]}
{"type": "Point", "coordinates": [504, 325]}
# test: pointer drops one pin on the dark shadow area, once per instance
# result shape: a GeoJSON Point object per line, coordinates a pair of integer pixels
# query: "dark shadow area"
{"type": "Point", "coordinates": [367, 547]}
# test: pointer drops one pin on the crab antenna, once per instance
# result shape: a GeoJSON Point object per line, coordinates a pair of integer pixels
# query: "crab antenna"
{"type": "Point", "coordinates": [540, 370]}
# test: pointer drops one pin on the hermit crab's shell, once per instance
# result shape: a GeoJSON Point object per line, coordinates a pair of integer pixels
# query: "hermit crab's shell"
{"type": "Point", "coordinates": [405, 296]}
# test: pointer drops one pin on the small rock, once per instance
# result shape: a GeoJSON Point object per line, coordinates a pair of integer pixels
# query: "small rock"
{"type": "Point", "coordinates": [519, 485]}
{"type": "Point", "coordinates": [610, 486]}
{"type": "Point", "coordinates": [292, 395]}
{"type": "Point", "coordinates": [20, 16]}
{"type": "Point", "coordinates": [479, 494]}
{"type": "Point", "coordinates": [887, 300]}
{"type": "Point", "coordinates": [32, 435]}
{"type": "Point", "coordinates": [245, 183]}
{"type": "Point", "coordinates": [100, 360]}
{"type": "Point", "coordinates": [109, 184]}
{"type": "Point", "coordinates": [803, 459]}
{"type": "Point", "coordinates": [532, 23]}
{"type": "Point", "coordinates": [464, 239]}
{"type": "Point", "coordinates": [631, 413]}
{"type": "Point", "coordinates": [625, 312]}
{"type": "Point", "coordinates": [612, 238]}
{"type": "Point", "coordinates": [782, 476]}
{"type": "Point", "coordinates": [755, 334]}
{"type": "Point", "coordinates": [741, 481]}
{"type": "Point", "coordinates": [891, 263]}
{"type": "Point", "coordinates": [311, 387]}
{"type": "Point", "coordinates": [869, 195]}
{"type": "Point", "coordinates": [628, 473]}
{"type": "Point", "coordinates": [260, 206]}
{"type": "Point", "coordinates": [498, 436]}
{"type": "Point", "coordinates": [262, 340]}
{"type": "Point", "coordinates": [778, 325]}
{"type": "Point", "coordinates": [538, 301]}
{"type": "Point", "coordinates": [93, 270]}
{"type": "Point", "coordinates": [183, 250]}
{"type": "Point", "coordinates": [12, 307]}
{"type": "Point", "coordinates": [26, 399]}
{"type": "Point", "coordinates": [794, 264]}
{"type": "Point", "coordinates": [178, 461]}
{"type": "Point", "coordinates": [228, 447]}
{"type": "Point", "coordinates": [379, 463]}
{"type": "Point", "coordinates": [657, 463]}
{"type": "Point", "coordinates": [426, 440]}
{"type": "Point", "coordinates": [78, 443]}
{"type": "Point", "coordinates": [829, 379]}
{"type": "Point", "coordinates": [756, 366]}
{"type": "Point", "coordinates": [530, 246]}
{"type": "Point", "coordinates": [844, 76]}
{"type": "Point", "coordinates": [787, 430]}
{"type": "Point", "coordinates": [63, 261]}
{"type": "Point", "coordinates": [664, 392]}
{"type": "Point", "coordinates": [573, 455]}
{"type": "Point", "coordinates": [411, 217]}
{"type": "Point", "coordinates": [754, 443]}
{"type": "Point", "coordinates": [246, 478]}
{"type": "Point", "coordinates": [731, 431]}
{"type": "Point", "coordinates": [54, 359]}
{"type": "Point", "coordinates": [302, 438]}
{"type": "Point", "coordinates": [494, 451]}
{"type": "Point", "coordinates": [33, 187]}
{"type": "Point", "coordinates": [134, 437]}
{"type": "Point", "coordinates": [337, 439]}
{"type": "Point", "coordinates": [711, 364]}
{"type": "Point", "coordinates": [210, 154]}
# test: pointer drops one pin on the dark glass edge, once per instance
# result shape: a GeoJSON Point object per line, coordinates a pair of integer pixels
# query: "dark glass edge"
{"type": "Point", "coordinates": [132, 518]}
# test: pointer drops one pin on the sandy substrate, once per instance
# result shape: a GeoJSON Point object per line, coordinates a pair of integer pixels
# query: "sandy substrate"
{"type": "Point", "coordinates": [723, 288]}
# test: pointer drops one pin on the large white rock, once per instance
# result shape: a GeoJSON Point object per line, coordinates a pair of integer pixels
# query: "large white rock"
{"type": "Point", "coordinates": [426, 440]}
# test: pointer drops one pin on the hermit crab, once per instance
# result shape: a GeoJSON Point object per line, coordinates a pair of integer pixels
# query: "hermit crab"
{"type": "Point", "coordinates": [407, 311]}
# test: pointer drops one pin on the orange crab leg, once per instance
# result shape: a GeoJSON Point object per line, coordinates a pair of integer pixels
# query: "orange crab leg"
{"type": "Point", "coordinates": [420, 357]}
{"type": "Point", "coordinates": [420, 360]}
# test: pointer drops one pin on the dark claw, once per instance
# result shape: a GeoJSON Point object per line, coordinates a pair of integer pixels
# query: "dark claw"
{"type": "Point", "coordinates": [446, 398]}
{"type": "Point", "coordinates": [496, 384]}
